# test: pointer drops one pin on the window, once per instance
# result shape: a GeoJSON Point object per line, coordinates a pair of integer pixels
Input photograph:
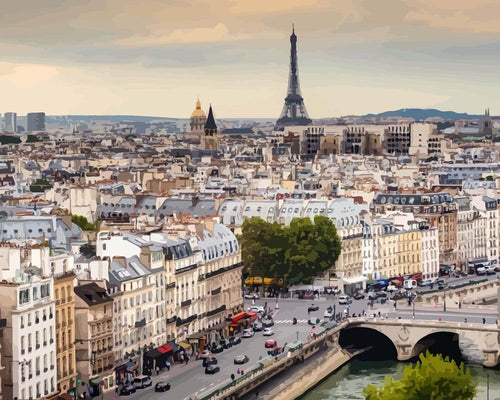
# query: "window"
{"type": "Point", "coordinates": [35, 293]}
{"type": "Point", "coordinates": [45, 290]}
{"type": "Point", "coordinates": [24, 296]}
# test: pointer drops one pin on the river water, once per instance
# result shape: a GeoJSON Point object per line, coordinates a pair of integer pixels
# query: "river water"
{"type": "Point", "coordinates": [349, 381]}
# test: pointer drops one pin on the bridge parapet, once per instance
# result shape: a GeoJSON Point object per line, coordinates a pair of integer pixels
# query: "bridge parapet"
{"type": "Point", "coordinates": [411, 337]}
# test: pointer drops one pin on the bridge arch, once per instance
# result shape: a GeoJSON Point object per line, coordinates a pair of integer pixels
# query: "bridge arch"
{"type": "Point", "coordinates": [443, 342]}
{"type": "Point", "coordinates": [382, 346]}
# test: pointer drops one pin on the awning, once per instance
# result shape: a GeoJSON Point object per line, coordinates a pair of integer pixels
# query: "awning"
{"type": "Point", "coordinates": [238, 317]}
{"type": "Point", "coordinates": [174, 345]}
{"type": "Point", "coordinates": [356, 279]}
{"type": "Point", "coordinates": [166, 348]}
{"type": "Point", "coordinates": [95, 381]}
{"type": "Point", "coordinates": [153, 353]}
{"type": "Point", "coordinates": [185, 345]}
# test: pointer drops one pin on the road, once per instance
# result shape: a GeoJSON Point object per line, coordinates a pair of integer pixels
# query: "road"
{"type": "Point", "coordinates": [191, 379]}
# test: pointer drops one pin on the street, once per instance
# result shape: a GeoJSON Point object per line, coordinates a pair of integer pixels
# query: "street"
{"type": "Point", "coordinates": [191, 379]}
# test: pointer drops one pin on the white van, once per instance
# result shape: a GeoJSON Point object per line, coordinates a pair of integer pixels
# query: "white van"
{"type": "Point", "coordinates": [410, 284]}
{"type": "Point", "coordinates": [345, 299]}
{"type": "Point", "coordinates": [142, 381]}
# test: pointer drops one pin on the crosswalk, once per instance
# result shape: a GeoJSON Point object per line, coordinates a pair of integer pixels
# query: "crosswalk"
{"type": "Point", "coordinates": [290, 321]}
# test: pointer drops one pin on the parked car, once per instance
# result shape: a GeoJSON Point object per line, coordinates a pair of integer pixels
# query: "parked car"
{"type": "Point", "coordinates": [312, 308]}
{"type": "Point", "coordinates": [328, 312]}
{"type": "Point", "coordinates": [209, 361]}
{"type": "Point", "coordinates": [313, 321]}
{"type": "Point", "coordinates": [267, 322]}
{"type": "Point", "coordinates": [247, 333]}
{"type": "Point", "coordinates": [268, 332]}
{"type": "Point", "coordinates": [441, 286]}
{"type": "Point", "coordinates": [217, 349]}
{"type": "Point", "coordinates": [257, 327]}
{"type": "Point", "coordinates": [481, 271]}
{"type": "Point", "coordinates": [359, 296]}
{"type": "Point", "coordinates": [235, 340]}
{"type": "Point", "coordinates": [212, 369]}
{"type": "Point", "coordinates": [204, 354]}
{"type": "Point", "coordinates": [426, 283]}
{"type": "Point", "coordinates": [345, 299]}
{"type": "Point", "coordinates": [252, 296]}
{"type": "Point", "coordinates": [127, 390]}
{"type": "Point", "coordinates": [256, 309]}
{"type": "Point", "coordinates": [391, 288]}
{"type": "Point", "coordinates": [241, 359]}
{"type": "Point", "coordinates": [306, 295]}
{"type": "Point", "coordinates": [270, 343]}
{"type": "Point", "coordinates": [226, 344]}
{"type": "Point", "coordinates": [142, 381]}
{"type": "Point", "coordinates": [410, 284]}
{"type": "Point", "coordinates": [491, 271]}
{"type": "Point", "coordinates": [162, 387]}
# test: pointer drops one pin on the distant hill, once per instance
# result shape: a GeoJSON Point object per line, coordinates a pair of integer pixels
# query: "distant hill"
{"type": "Point", "coordinates": [110, 118]}
{"type": "Point", "coordinates": [420, 114]}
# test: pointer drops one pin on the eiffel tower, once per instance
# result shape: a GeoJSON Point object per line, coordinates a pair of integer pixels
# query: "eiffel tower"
{"type": "Point", "coordinates": [294, 111]}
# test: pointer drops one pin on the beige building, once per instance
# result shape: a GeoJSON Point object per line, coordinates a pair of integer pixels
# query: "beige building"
{"type": "Point", "coordinates": [65, 331]}
{"type": "Point", "coordinates": [94, 338]}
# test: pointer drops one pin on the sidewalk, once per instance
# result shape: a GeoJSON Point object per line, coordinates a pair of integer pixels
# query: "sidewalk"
{"type": "Point", "coordinates": [165, 375]}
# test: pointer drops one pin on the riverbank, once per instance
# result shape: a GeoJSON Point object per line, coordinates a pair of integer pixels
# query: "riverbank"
{"type": "Point", "coordinates": [309, 376]}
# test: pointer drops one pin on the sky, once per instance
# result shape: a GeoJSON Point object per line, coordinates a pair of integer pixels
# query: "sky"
{"type": "Point", "coordinates": [155, 57]}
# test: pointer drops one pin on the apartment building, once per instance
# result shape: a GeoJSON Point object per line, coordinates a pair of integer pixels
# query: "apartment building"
{"type": "Point", "coordinates": [488, 208]}
{"type": "Point", "coordinates": [471, 234]}
{"type": "Point", "coordinates": [28, 342]}
{"type": "Point", "coordinates": [3, 324]}
{"type": "Point", "coordinates": [65, 331]}
{"type": "Point", "coordinates": [94, 338]}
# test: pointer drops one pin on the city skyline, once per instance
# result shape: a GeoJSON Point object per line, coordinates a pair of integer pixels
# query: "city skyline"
{"type": "Point", "coordinates": [154, 58]}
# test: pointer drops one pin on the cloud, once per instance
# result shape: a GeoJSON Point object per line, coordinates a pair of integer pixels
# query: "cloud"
{"type": "Point", "coordinates": [217, 33]}
{"type": "Point", "coordinates": [27, 75]}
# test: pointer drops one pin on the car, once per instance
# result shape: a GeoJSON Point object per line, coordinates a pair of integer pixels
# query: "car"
{"type": "Point", "coordinates": [247, 333]}
{"type": "Point", "coordinates": [212, 369]}
{"type": "Point", "coordinates": [267, 322]}
{"type": "Point", "coordinates": [426, 283]}
{"type": "Point", "coordinates": [268, 332]}
{"type": "Point", "coordinates": [162, 387]}
{"type": "Point", "coordinates": [252, 296]}
{"type": "Point", "coordinates": [270, 343]}
{"type": "Point", "coordinates": [142, 381]}
{"type": "Point", "coordinates": [235, 340]}
{"type": "Point", "coordinates": [241, 359]}
{"type": "Point", "coordinates": [127, 390]}
{"type": "Point", "coordinates": [481, 271]}
{"type": "Point", "coordinates": [345, 299]}
{"type": "Point", "coordinates": [359, 296]}
{"type": "Point", "coordinates": [328, 312]}
{"type": "Point", "coordinates": [257, 327]}
{"type": "Point", "coordinates": [382, 295]}
{"type": "Point", "coordinates": [313, 321]}
{"type": "Point", "coordinates": [217, 349]}
{"type": "Point", "coordinates": [306, 295]}
{"type": "Point", "coordinates": [312, 308]}
{"type": "Point", "coordinates": [204, 354]}
{"type": "Point", "coordinates": [256, 309]}
{"type": "Point", "coordinates": [209, 361]}
{"type": "Point", "coordinates": [226, 344]}
{"type": "Point", "coordinates": [491, 271]}
{"type": "Point", "coordinates": [391, 288]}
{"type": "Point", "coordinates": [438, 282]}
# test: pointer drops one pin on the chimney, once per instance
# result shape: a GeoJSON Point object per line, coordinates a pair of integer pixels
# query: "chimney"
{"type": "Point", "coordinates": [121, 260]}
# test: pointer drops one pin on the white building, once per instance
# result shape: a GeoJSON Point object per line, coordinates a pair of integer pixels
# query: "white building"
{"type": "Point", "coordinates": [28, 341]}
{"type": "Point", "coordinates": [430, 253]}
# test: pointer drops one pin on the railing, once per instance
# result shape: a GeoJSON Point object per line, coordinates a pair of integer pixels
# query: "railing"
{"type": "Point", "coordinates": [171, 285]}
{"type": "Point", "coordinates": [180, 321]}
{"type": "Point", "coordinates": [222, 270]}
{"type": "Point", "coordinates": [171, 319]}
{"type": "Point", "coordinates": [216, 311]}
{"type": "Point", "coordinates": [186, 303]}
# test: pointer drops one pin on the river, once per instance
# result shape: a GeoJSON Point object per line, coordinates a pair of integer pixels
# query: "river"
{"type": "Point", "coordinates": [349, 381]}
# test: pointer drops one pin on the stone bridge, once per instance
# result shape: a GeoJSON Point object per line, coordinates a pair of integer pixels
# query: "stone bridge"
{"type": "Point", "coordinates": [411, 337]}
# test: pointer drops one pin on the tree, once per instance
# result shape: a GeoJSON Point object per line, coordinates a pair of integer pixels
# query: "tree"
{"type": "Point", "coordinates": [297, 252]}
{"type": "Point", "coordinates": [430, 378]}
{"type": "Point", "coordinates": [83, 223]}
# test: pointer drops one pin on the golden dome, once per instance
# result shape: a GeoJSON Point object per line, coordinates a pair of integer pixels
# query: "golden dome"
{"type": "Point", "coordinates": [198, 112]}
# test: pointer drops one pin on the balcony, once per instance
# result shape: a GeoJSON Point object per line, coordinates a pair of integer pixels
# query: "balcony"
{"type": "Point", "coordinates": [171, 320]}
{"type": "Point", "coordinates": [216, 311]}
{"type": "Point", "coordinates": [186, 303]}
{"type": "Point", "coordinates": [180, 322]}
{"type": "Point", "coordinates": [171, 285]}
{"type": "Point", "coordinates": [216, 291]}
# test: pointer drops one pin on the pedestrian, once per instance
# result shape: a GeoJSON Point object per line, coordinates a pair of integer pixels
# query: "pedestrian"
{"type": "Point", "coordinates": [157, 370]}
{"type": "Point", "coordinates": [439, 319]}
{"type": "Point", "coordinates": [197, 354]}
{"type": "Point", "coordinates": [238, 371]}
{"type": "Point", "coordinates": [116, 389]}
{"type": "Point", "coordinates": [232, 377]}
{"type": "Point", "coordinates": [484, 320]}
{"type": "Point", "coordinates": [242, 372]}
{"type": "Point", "coordinates": [465, 320]}
{"type": "Point", "coordinates": [168, 365]}
{"type": "Point", "coordinates": [187, 359]}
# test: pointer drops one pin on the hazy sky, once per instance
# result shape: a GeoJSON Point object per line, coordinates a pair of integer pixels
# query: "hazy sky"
{"type": "Point", "coordinates": [154, 57]}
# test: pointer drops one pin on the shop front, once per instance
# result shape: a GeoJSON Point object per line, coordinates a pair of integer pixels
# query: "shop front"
{"type": "Point", "coordinates": [157, 357]}
{"type": "Point", "coordinates": [125, 372]}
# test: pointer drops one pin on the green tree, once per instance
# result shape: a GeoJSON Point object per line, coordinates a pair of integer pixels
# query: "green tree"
{"type": "Point", "coordinates": [430, 378]}
{"type": "Point", "coordinates": [297, 252]}
{"type": "Point", "coordinates": [83, 223]}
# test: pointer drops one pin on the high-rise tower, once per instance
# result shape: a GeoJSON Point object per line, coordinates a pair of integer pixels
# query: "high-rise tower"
{"type": "Point", "coordinates": [294, 111]}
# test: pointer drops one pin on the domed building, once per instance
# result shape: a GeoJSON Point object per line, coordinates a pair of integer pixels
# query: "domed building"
{"type": "Point", "coordinates": [198, 119]}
